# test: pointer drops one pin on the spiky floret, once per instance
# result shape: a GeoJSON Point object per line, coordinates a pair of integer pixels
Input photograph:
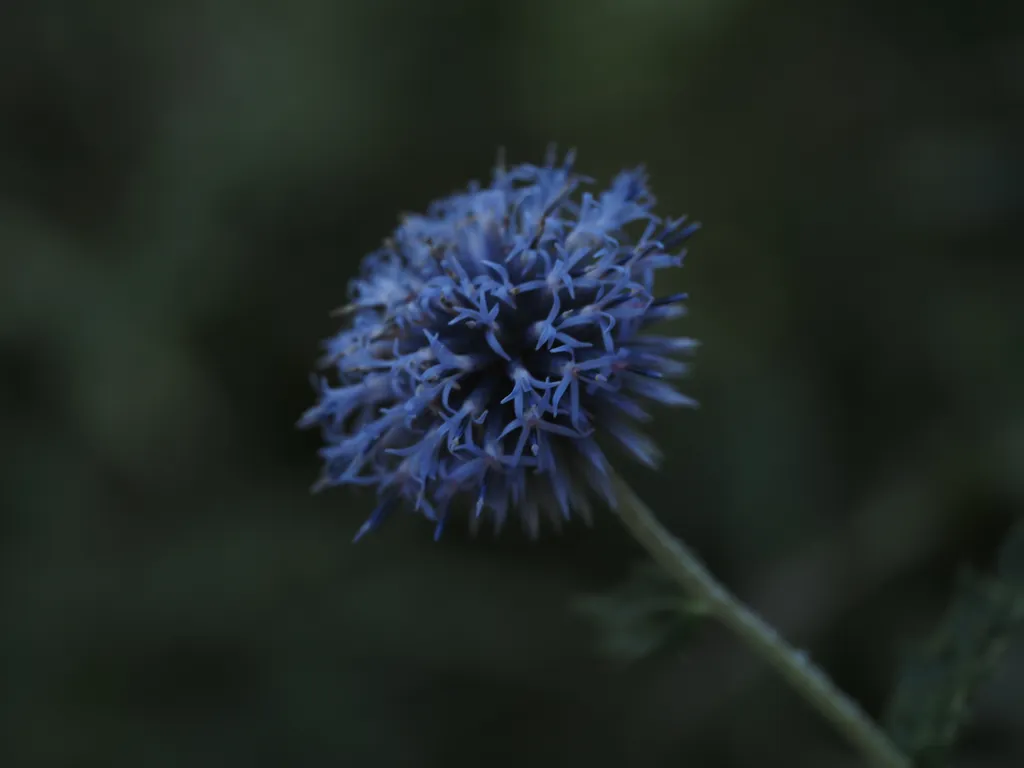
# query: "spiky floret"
{"type": "Point", "coordinates": [493, 340]}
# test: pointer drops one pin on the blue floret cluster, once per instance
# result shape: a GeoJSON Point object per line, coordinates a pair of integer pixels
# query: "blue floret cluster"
{"type": "Point", "coordinates": [494, 342]}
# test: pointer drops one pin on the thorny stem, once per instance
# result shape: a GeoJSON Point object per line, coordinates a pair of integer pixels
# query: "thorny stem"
{"type": "Point", "coordinates": [793, 665]}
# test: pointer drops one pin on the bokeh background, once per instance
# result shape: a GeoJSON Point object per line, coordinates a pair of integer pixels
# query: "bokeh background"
{"type": "Point", "coordinates": [185, 189]}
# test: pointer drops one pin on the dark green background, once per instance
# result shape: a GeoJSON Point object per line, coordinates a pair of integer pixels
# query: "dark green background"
{"type": "Point", "coordinates": [186, 187]}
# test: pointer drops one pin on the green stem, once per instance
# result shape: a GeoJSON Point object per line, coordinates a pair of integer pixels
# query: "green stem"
{"type": "Point", "coordinates": [793, 665]}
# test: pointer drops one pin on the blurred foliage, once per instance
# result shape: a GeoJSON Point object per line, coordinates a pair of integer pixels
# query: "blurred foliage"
{"type": "Point", "coordinates": [936, 686]}
{"type": "Point", "coordinates": [1011, 557]}
{"type": "Point", "coordinates": [185, 189]}
{"type": "Point", "coordinates": [643, 617]}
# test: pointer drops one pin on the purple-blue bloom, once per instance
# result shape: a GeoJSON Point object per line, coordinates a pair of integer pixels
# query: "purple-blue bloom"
{"type": "Point", "coordinates": [495, 341]}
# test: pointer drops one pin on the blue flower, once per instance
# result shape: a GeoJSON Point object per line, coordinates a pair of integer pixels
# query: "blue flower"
{"type": "Point", "coordinates": [494, 341]}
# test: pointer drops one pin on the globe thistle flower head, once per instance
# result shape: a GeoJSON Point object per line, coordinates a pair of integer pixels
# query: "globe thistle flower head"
{"type": "Point", "coordinates": [493, 342]}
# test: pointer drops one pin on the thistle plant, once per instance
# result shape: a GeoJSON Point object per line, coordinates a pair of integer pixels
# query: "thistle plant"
{"type": "Point", "coordinates": [494, 340]}
{"type": "Point", "coordinates": [495, 344]}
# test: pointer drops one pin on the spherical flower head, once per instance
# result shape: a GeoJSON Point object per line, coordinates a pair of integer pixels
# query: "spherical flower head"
{"type": "Point", "coordinates": [495, 341]}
